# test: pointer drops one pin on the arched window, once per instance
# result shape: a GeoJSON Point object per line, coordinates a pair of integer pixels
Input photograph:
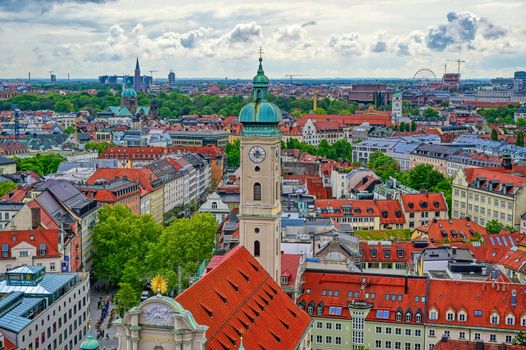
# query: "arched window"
{"type": "Point", "coordinates": [494, 319]}
{"type": "Point", "coordinates": [408, 317]}
{"type": "Point", "coordinates": [319, 310]}
{"type": "Point", "coordinates": [214, 205]}
{"type": "Point", "coordinates": [418, 318]}
{"type": "Point", "coordinates": [510, 320]}
{"type": "Point", "coordinates": [398, 317]}
{"type": "Point", "coordinates": [257, 191]}
{"type": "Point", "coordinates": [310, 309]}
{"type": "Point", "coordinates": [256, 248]}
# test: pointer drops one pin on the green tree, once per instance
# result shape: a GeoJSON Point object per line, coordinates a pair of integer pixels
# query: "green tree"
{"type": "Point", "coordinates": [64, 106]}
{"type": "Point", "coordinates": [233, 154]}
{"type": "Point", "coordinates": [413, 125]}
{"type": "Point", "coordinates": [165, 112]}
{"type": "Point", "coordinates": [100, 147]}
{"type": "Point", "coordinates": [520, 338]}
{"type": "Point", "coordinates": [423, 176]}
{"type": "Point", "coordinates": [520, 138]}
{"type": "Point", "coordinates": [185, 244]}
{"type": "Point", "coordinates": [69, 130]}
{"type": "Point", "coordinates": [6, 187]}
{"type": "Point", "coordinates": [494, 226]}
{"type": "Point", "coordinates": [430, 113]}
{"type": "Point", "coordinates": [118, 238]}
{"type": "Point", "coordinates": [126, 298]}
{"type": "Point", "coordinates": [494, 135]}
{"type": "Point", "coordinates": [383, 165]}
{"type": "Point", "coordinates": [521, 122]}
{"type": "Point", "coordinates": [41, 164]}
{"type": "Point", "coordinates": [320, 110]}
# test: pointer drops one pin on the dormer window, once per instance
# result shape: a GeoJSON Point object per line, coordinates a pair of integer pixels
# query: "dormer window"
{"type": "Point", "coordinates": [284, 279]}
{"type": "Point", "coordinates": [523, 321]}
{"type": "Point", "coordinates": [433, 315]}
{"type": "Point", "coordinates": [373, 253]}
{"type": "Point", "coordinates": [408, 317]}
{"type": "Point", "coordinates": [510, 320]}
{"type": "Point", "coordinates": [398, 316]}
{"type": "Point", "coordinates": [494, 319]}
{"type": "Point", "coordinates": [450, 316]}
{"type": "Point", "coordinates": [462, 317]}
{"type": "Point", "coordinates": [418, 318]}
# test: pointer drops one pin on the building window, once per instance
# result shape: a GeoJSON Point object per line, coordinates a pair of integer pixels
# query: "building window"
{"type": "Point", "coordinates": [256, 249]}
{"type": "Point", "coordinates": [319, 325]}
{"type": "Point", "coordinates": [462, 317]}
{"type": "Point", "coordinates": [338, 340]}
{"type": "Point", "coordinates": [257, 191]}
{"type": "Point", "coordinates": [378, 344]}
{"type": "Point", "coordinates": [433, 315]}
{"type": "Point", "coordinates": [378, 330]}
{"type": "Point", "coordinates": [462, 335]}
{"type": "Point", "coordinates": [450, 316]}
{"type": "Point", "coordinates": [328, 339]}
{"type": "Point", "coordinates": [510, 320]}
{"type": "Point", "coordinates": [477, 336]}
{"type": "Point", "coordinates": [408, 332]}
{"type": "Point", "coordinates": [388, 344]}
{"type": "Point", "coordinates": [338, 326]}
{"type": "Point", "coordinates": [319, 339]}
{"type": "Point", "coordinates": [431, 332]}
{"type": "Point", "coordinates": [398, 317]}
{"type": "Point", "coordinates": [494, 319]}
{"type": "Point", "coordinates": [418, 318]}
{"type": "Point", "coordinates": [408, 317]}
{"type": "Point", "coordinates": [509, 339]}
{"type": "Point", "coordinates": [214, 205]}
{"type": "Point", "coordinates": [493, 337]}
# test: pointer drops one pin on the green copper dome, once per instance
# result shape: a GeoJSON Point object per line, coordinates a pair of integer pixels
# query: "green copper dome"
{"type": "Point", "coordinates": [260, 117]}
{"type": "Point", "coordinates": [90, 343]}
{"type": "Point", "coordinates": [129, 92]}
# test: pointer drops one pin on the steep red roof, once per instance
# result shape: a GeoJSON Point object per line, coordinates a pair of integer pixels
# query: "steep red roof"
{"type": "Point", "coordinates": [133, 152]}
{"type": "Point", "coordinates": [240, 297]}
{"type": "Point", "coordinates": [424, 202]}
{"type": "Point", "coordinates": [208, 150]}
{"type": "Point", "coordinates": [289, 267]}
{"type": "Point", "coordinates": [393, 252]}
{"type": "Point", "coordinates": [383, 119]}
{"type": "Point", "coordinates": [389, 210]}
{"type": "Point", "coordinates": [455, 230]}
{"type": "Point", "coordinates": [450, 344]}
{"type": "Point", "coordinates": [336, 291]}
{"type": "Point", "coordinates": [49, 237]}
{"type": "Point", "coordinates": [488, 297]}
{"type": "Point", "coordinates": [500, 176]}
{"type": "Point", "coordinates": [144, 176]}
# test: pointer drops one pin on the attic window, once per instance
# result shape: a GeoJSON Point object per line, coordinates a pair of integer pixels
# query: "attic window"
{"type": "Point", "coordinates": [292, 312]}
{"type": "Point", "coordinates": [222, 297]}
{"type": "Point", "coordinates": [398, 213]}
{"type": "Point", "coordinates": [411, 205]}
{"type": "Point", "coordinates": [436, 204]}
{"type": "Point", "coordinates": [286, 325]}
{"type": "Point", "coordinates": [384, 214]}
{"type": "Point", "coordinates": [423, 204]}
{"type": "Point", "coordinates": [245, 276]}
{"type": "Point", "coordinates": [234, 286]}
{"type": "Point", "coordinates": [278, 339]}
{"type": "Point", "coordinates": [209, 312]}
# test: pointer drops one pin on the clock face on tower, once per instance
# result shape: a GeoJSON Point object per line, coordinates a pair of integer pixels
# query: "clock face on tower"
{"type": "Point", "coordinates": [397, 104]}
{"type": "Point", "coordinates": [257, 154]}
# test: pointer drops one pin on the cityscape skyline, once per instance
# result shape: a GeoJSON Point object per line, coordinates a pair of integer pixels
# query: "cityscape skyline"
{"type": "Point", "coordinates": [386, 39]}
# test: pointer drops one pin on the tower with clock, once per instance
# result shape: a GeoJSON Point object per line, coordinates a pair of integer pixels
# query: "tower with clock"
{"type": "Point", "coordinates": [260, 205]}
{"type": "Point", "coordinates": [396, 108]}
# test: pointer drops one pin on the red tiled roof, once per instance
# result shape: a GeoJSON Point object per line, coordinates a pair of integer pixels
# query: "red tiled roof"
{"type": "Point", "coordinates": [393, 248]}
{"type": "Point", "coordinates": [453, 230]}
{"type": "Point", "coordinates": [289, 267]}
{"type": "Point", "coordinates": [208, 150]}
{"type": "Point", "coordinates": [332, 289]}
{"type": "Point", "coordinates": [423, 202]}
{"type": "Point", "coordinates": [487, 296]}
{"type": "Point", "coordinates": [133, 152]}
{"type": "Point", "coordinates": [49, 237]}
{"type": "Point", "coordinates": [386, 209]}
{"type": "Point", "coordinates": [348, 120]}
{"type": "Point", "coordinates": [516, 176]}
{"type": "Point", "coordinates": [240, 297]}
{"type": "Point", "coordinates": [450, 344]}
{"type": "Point", "coordinates": [144, 176]}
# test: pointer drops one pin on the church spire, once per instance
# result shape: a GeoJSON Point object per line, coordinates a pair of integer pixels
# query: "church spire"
{"type": "Point", "coordinates": [137, 64]}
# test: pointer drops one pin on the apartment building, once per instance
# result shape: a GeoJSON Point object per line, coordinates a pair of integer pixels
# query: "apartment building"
{"type": "Point", "coordinates": [355, 311]}
{"type": "Point", "coordinates": [435, 155]}
{"type": "Point", "coordinates": [41, 310]}
{"type": "Point", "coordinates": [420, 208]}
{"type": "Point", "coordinates": [486, 194]}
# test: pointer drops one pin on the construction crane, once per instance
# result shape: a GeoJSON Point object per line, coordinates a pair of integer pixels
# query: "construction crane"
{"type": "Point", "coordinates": [294, 75]}
{"type": "Point", "coordinates": [17, 120]}
{"type": "Point", "coordinates": [459, 61]}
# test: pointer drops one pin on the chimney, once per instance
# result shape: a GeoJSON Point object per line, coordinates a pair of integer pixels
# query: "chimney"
{"type": "Point", "coordinates": [506, 162]}
{"type": "Point", "coordinates": [35, 218]}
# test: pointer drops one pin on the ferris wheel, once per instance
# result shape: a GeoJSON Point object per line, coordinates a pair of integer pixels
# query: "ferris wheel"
{"type": "Point", "coordinates": [424, 76]}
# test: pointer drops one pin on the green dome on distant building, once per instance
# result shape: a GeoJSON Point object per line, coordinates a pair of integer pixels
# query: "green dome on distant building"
{"type": "Point", "coordinates": [90, 343]}
{"type": "Point", "coordinates": [129, 92]}
{"type": "Point", "coordinates": [260, 117]}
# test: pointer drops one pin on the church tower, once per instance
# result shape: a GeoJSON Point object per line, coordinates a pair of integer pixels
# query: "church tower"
{"type": "Point", "coordinates": [260, 205]}
{"type": "Point", "coordinates": [396, 108]}
{"type": "Point", "coordinates": [137, 77]}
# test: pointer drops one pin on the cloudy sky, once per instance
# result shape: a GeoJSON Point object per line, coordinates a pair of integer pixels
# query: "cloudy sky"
{"type": "Point", "coordinates": [219, 38]}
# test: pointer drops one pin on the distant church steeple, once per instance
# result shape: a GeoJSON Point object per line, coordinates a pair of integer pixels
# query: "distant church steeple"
{"type": "Point", "coordinates": [137, 77]}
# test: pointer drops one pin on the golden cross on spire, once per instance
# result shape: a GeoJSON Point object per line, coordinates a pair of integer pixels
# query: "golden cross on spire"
{"type": "Point", "coordinates": [260, 53]}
